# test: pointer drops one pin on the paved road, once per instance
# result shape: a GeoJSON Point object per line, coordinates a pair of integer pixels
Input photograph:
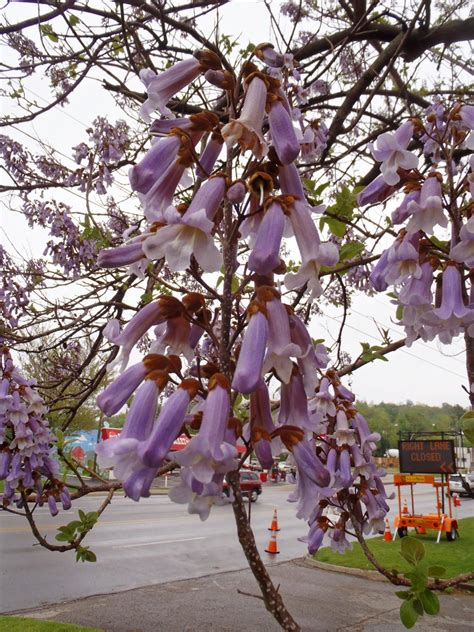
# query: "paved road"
{"type": "Point", "coordinates": [152, 542]}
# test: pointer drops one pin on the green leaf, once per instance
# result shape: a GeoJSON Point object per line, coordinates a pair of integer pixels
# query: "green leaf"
{"type": "Point", "coordinates": [408, 614]}
{"type": "Point", "coordinates": [403, 594]}
{"type": "Point", "coordinates": [351, 250]}
{"type": "Point", "coordinates": [335, 226]}
{"type": "Point", "coordinates": [82, 515]}
{"type": "Point", "coordinates": [418, 579]}
{"type": "Point", "coordinates": [418, 606]}
{"type": "Point", "coordinates": [47, 31]}
{"type": "Point", "coordinates": [399, 312]}
{"type": "Point", "coordinates": [469, 434]}
{"type": "Point", "coordinates": [430, 602]}
{"type": "Point", "coordinates": [73, 20]}
{"type": "Point", "coordinates": [436, 571]}
{"type": "Point", "coordinates": [89, 556]}
{"type": "Point", "coordinates": [468, 415]}
{"type": "Point", "coordinates": [234, 286]}
{"type": "Point", "coordinates": [63, 537]}
{"type": "Point", "coordinates": [412, 550]}
{"type": "Point", "coordinates": [146, 297]}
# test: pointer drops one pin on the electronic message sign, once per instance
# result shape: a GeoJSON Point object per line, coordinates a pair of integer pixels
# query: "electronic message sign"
{"type": "Point", "coordinates": [427, 457]}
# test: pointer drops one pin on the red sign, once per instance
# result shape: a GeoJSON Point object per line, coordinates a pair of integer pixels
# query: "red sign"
{"type": "Point", "coordinates": [78, 453]}
{"type": "Point", "coordinates": [179, 443]}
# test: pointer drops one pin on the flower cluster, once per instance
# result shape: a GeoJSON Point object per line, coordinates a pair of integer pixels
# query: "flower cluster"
{"type": "Point", "coordinates": [27, 463]}
{"type": "Point", "coordinates": [16, 286]}
{"type": "Point", "coordinates": [264, 203]}
{"type": "Point", "coordinates": [428, 270]}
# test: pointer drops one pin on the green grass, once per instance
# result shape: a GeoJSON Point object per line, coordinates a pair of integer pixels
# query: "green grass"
{"type": "Point", "coordinates": [20, 624]}
{"type": "Point", "coordinates": [457, 557]}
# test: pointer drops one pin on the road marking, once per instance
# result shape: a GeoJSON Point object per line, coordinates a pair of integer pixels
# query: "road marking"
{"type": "Point", "coordinates": [131, 546]}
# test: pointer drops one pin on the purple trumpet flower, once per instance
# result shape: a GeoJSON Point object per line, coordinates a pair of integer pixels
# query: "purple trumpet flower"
{"type": "Point", "coordinates": [65, 498]}
{"type": "Point", "coordinates": [280, 348]}
{"type": "Point", "coordinates": [205, 204]}
{"type": "Point", "coordinates": [315, 537]}
{"type": "Point", "coordinates": [397, 263]}
{"type": "Point", "coordinates": [173, 338]}
{"type": "Point", "coordinates": [121, 452]}
{"type": "Point", "coordinates": [198, 496]}
{"type": "Point", "coordinates": [137, 484]}
{"type": "Point", "coordinates": [323, 401]}
{"type": "Point", "coordinates": [261, 425]}
{"type": "Point", "coordinates": [344, 435]}
{"type": "Point", "coordinates": [314, 141]}
{"type": "Point", "coordinates": [208, 453]}
{"type": "Point", "coordinates": [247, 129]}
{"type": "Point", "coordinates": [249, 364]}
{"type": "Point", "coordinates": [236, 192]}
{"type": "Point", "coordinates": [283, 133]}
{"type": "Point", "coordinates": [5, 460]}
{"type": "Point", "coordinates": [52, 506]}
{"type": "Point", "coordinates": [290, 182]}
{"type": "Point", "coordinates": [208, 158]}
{"type": "Point", "coordinates": [121, 256]}
{"type": "Point", "coordinates": [309, 361]}
{"type": "Point", "coordinates": [111, 400]}
{"type": "Point", "coordinates": [452, 303]}
{"type": "Point", "coordinates": [428, 211]}
{"type": "Point", "coordinates": [391, 150]}
{"type": "Point", "coordinates": [376, 191]}
{"type": "Point", "coordinates": [168, 425]}
{"type": "Point", "coordinates": [418, 291]}
{"type": "Point", "coordinates": [269, 56]}
{"type": "Point", "coordinates": [158, 159]}
{"type": "Point", "coordinates": [463, 251]}
{"type": "Point", "coordinates": [402, 213]}
{"type": "Point", "coordinates": [153, 313]}
{"type": "Point", "coordinates": [339, 542]}
{"type": "Point", "coordinates": [294, 405]}
{"type": "Point", "coordinates": [344, 473]}
{"type": "Point", "coordinates": [162, 87]}
{"type": "Point", "coordinates": [265, 256]}
{"type": "Point", "coordinates": [360, 424]}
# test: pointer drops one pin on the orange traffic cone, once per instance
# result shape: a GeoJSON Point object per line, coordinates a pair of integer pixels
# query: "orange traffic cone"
{"type": "Point", "coordinates": [272, 545]}
{"type": "Point", "coordinates": [387, 534]}
{"type": "Point", "coordinates": [274, 525]}
{"type": "Point", "coordinates": [405, 507]}
{"type": "Point", "coordinates": [457, 500]}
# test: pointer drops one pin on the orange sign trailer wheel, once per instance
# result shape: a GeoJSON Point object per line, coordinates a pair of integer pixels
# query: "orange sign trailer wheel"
{"type": "Point", "coordinates": [440, 522]}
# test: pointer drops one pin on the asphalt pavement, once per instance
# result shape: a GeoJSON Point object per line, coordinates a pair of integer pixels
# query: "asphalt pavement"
{"type": "Point", "coordinates": [153, 545]}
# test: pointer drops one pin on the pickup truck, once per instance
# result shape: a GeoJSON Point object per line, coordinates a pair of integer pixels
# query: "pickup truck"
{"type": "Point", "coordinates": [250, 484]}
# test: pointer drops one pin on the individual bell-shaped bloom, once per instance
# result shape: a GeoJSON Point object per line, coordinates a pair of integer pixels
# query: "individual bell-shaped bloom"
{"type": "Point", "coordinates": [323, 401]}
{"type": "Point", "coordinates": [198, 496]}
{"type": "Point", "coordinates": [169, 424]}
{"type": "Point", "coordinates": [173, 337]}
{"type": "Point", "coordinates": [366, 437]}
{"type": "Point", "coordinates": [261, 425]}
{"type": "Point", "coordinates": [111, 400]}
{"type": "Point", "coordinates": [280, 348]}
{"type": "Point", "coordinates": [205, 204]}
{"type": "Point", "coordinates": [339, 541]}
{"type": "Point", "coordinates": [247, 129]}
{"type": "Point", "coordinates": [236, 192]}
{"type": "Point", "coordinates": [402, 213]}
{"type": "Point", "coordinates": [165, 85]}
{"type": "Point", "coordinates": [294, 405]}
{"type": "Point", "coordinates": [152, 314]}
{"type": "Point", "coordinates": [177, 242]}
{"type": "Point", "coordinates": [376, 191]}
{"type": "Point", "coordinates": [122, 453]}
{"type": "Point", "coordinates": [252, 351]}
{"type": "Point", "coordinates": [209, 156]}
{"type": "Point", "coordinates": [267, 53]}
{"type": "Point", "coordinates": [311, 359]}
{"type": "Point", "coordinates": [397, 263]}
{"type": "Point", "coordinates": [265, 256]}
{"type": "Point", "coordinates": [121, 256]}
{"type": "Point", "coordinates": [452, 313]}
{"type": "Point", "coordinates": [314, 141]}
{"type": "Point", "coordinates": [466, 112]}
{"type": "Point", "coordinates": [290, 182]}
{"type": "Point", "coordinates": [362, 466]}
{"type": "Point", "coordinates": [344, 435]}
{"type": "Point", "coordinates": [313, 252]}
{"type": "Point", "coordinates": [428, 212]}
{"type": "Point", "coordinates": [315, 537]}
{"type": "Point", "coordinates": [283, 133]}
{"type": "Point", "coordinates": [463, 251]}
{"type": "Point", "coordinates": [417, 291]}
{"type": "Point", "coordinates": [391, 150]}
{"type": "Point", "coordinates": [52, 506]}
{"type": "Point", "coordinates": [156, 162]}
{"type": "Point", "coordinates": [208, 453]}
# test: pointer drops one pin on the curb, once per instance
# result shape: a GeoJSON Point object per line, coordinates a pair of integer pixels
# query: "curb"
{"type": "Point", "coordinates": [360, 572]}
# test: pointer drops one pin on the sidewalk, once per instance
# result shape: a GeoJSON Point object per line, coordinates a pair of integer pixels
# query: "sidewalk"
{"type": "Point", "coordinates": [318, 600]}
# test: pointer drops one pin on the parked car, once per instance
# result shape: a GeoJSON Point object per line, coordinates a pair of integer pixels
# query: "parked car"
{"type": "Point", "coordinates": [462, 484]}
{"type": "Point", "coordinates": [250, 484]}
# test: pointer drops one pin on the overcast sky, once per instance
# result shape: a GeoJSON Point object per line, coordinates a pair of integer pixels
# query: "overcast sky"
{"type": "Point", "coordinates": [427, 373]}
